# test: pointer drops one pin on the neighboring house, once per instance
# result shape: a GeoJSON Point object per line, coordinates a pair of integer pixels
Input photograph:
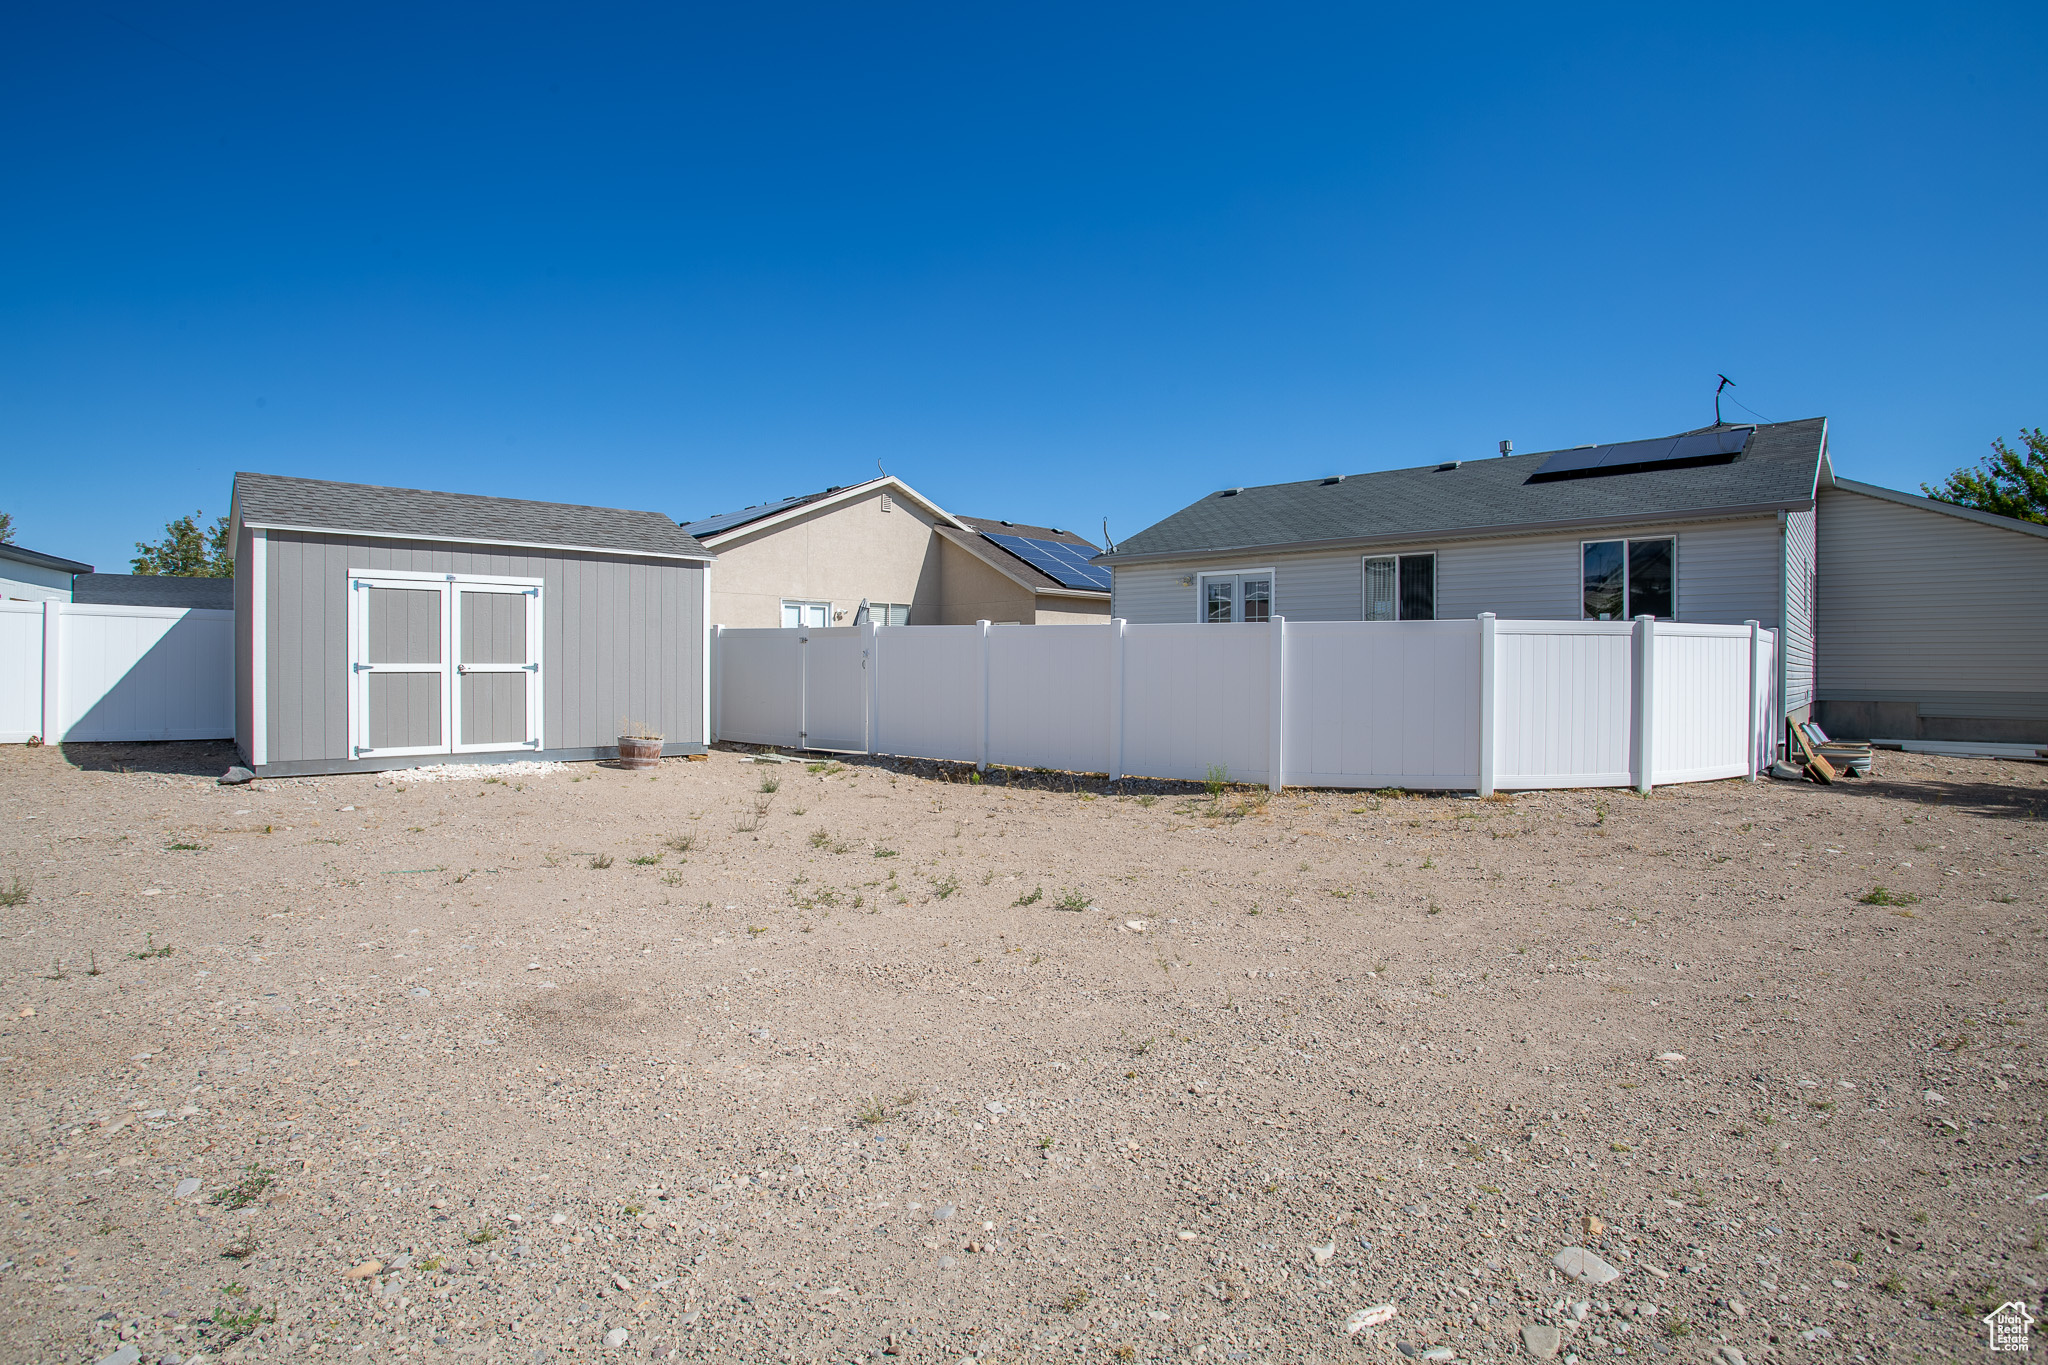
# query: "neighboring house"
{"type": "Point", "coordinates": [375, 627]}
{"type": "Point", "coordinates": [154, 590]}
{"type": "Point", "coordinates": [1933, 619]}
{"type": "Point", "coordinates": [1715, 525]}
{"type": "Point", "coordinates": [812, 560]}
{"type": "Point", "coordinates": [32, 576]}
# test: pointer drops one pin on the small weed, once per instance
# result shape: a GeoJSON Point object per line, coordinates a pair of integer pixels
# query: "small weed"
{"type": "Point", "coordinates": [1677, 1328]}
{"type": "Point", "coordinates": [14, 893]}
{"type": "Point", "coordinates": [1075, 1299]}
{"type": "Point", "coordinates": [431, 1264]}
{"type": "Point", "coordinates": [682, 843]}
{"type": "Point", "coordinates": [885, 853]}
{"type": "Point", "coordinates": [1214, 783]}
{"type": "Point", "coordinates": [1619, 1147]}
{"type": "Point", "coordinates": [1429, 862]}
{"type": "Point", "coordinates": [1045, 1142]}
{"type": "Point", "coordinates": [246, 1191]}
{"type": "Point", "coordinates": [771, 785]}
{"type": "Point", "coordinates": [484, 1234]}
{"type": "Point", "coordinates": [234, 1289]}
{"type": "Point", "coordinates": [234, 1326]}
{"type": "Point", "coordinates": [1920, 1217]}
{"type": "Point", "coordinates": [1892, 1284]}
{"type": "Point", "coordinates": [748, 822]}
{"type": "Point", "coordinates": [876, 1110]}
{"type": "Point", "coordinates": [56, 972]}
{"type": "Point", "coordinates": [672, 877]}
{"type": "Point", "coordinates": [601, 861]}
{"type": "Point", "coordinates": [1032, 899]}
{"type": "Point", "coordinates": [1147, 799]}
{"type": "Point", "coordinates": [241, 1249]}
{"type": "Point", "coordinates": [1435, 909]}
{"type": "Point", "coordinates": [182, 847]}
{"type": "Point", "coordinates": [1856, 1257]}
{"type": "Point", "coordinates": [945, 886]}
{"type": "Point", "coordinates": [151, 950]}
{"type": "Point", "coordinates": [1877, 895]}
{"type": "Point", "coordinates": [756, 930]}
{"type": "Point", "coordinates": [1825, 1106]}
{"type": "Point", "coordinates": [632, 1210]}
{"type": "Point", "coordinates": [1072, 900]}
{"type": "Point", "coordinates": [645, 860]}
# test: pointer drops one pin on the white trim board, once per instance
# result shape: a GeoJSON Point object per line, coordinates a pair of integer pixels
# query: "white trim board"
{"type": "Point", "coordinates": [343, 532]}
{"type": "Point", "coordinates": [844, 495]}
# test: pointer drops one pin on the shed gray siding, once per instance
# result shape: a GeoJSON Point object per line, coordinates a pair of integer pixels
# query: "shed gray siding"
{"type": "Point", "coordinates": [1931, 625]}
{"type": "Point", "coordinates": [1728, 572]}
{"type": "Point", "coordinates": [622, 638]}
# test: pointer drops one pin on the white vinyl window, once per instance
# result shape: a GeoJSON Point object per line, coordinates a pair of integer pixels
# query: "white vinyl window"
{"type": "Point", "coordinates": [1400, 587]}
{"type": "Point", "coordinates": [815, 614]}
{"type": "Point", "coordinates": [1624, 579]}
{"type": "Point", "coordinates": [1225, 597]}
{"type": "Point", "coordinates": [889, 613]}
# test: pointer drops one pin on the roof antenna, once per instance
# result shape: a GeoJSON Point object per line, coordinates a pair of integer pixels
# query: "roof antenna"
{"type": "Point", "coordinates": [1725, 383]}
{"type": "Point", "coordinates": [1107, 543]}
{"type": "Point", "coordinates": [878, 467]}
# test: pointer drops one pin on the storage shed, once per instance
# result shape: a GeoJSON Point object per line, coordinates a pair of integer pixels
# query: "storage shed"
{"type": "Point", "coordinates": [385, 628]}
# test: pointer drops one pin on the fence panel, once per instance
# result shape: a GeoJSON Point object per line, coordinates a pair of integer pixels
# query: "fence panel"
{"type": "Point", "coordinates": [760, 686]}
{"type": "Point", "coordinates": [1049, 697]}
{"type": "Point", "coordinates": [1363, 704]}
{"type": "Point", "coordinates": [1700, 695]}
{"type": "Point", "coordinates": [21, 671]}
{"type": "Point", "coordinates": [928, 698]}
{"type": "Point", "coordinates": [1563, 698]}
{"type": "Point", "coordinates": [140, 673]}
{"type": "Point", "coordinates": [1197, 697]}
{"type": "Point", "coordinates": [1382, 704]}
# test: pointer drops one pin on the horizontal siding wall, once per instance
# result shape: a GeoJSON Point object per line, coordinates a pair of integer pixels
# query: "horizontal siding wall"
{"type": "Point", "coordinates": [1799, 609]}
{"type": "Point", "coordinates": [1727, 574]}
{"type": "Point", "coordinates": [1920, 606]}
{"type": "Point", "coordinates": [621, 639]}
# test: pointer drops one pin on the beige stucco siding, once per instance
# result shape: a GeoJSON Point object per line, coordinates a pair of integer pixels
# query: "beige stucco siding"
{"type": "Point", "coordinates": [838, 555]}
{"type": "Point", "coordinates": [971, 591]}
{"type": "Point", "coordinates": [1071, 611]}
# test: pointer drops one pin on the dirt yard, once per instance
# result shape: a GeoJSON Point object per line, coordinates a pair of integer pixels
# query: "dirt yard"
{"type": "Point", "coordinates": [882, 1062]}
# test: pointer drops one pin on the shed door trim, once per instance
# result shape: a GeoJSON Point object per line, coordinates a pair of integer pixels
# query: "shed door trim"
{"type": "Point", "coordinates": [442, 699]}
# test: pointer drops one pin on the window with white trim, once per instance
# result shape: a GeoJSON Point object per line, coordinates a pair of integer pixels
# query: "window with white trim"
{"type": "Point", "coordinates": [1624, 579]}
{"type": "Point", "coordinates": [1400, 587]}
{"type": "Point", "coordinates": [1225, 597]}
{"type": "Point", "coordinates": [889, 613]}
{"type": "Point", "coordinates": [816, 614]}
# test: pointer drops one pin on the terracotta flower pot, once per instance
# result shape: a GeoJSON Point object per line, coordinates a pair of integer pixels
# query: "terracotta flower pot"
{"type": "Point", "coordinates": [635, 752]}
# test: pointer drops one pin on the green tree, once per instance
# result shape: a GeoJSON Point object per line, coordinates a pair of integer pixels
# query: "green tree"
{"type": "Point", "coordinates": [186, 551]}
{"type": "Point", "coordinates": [6, 528]}
{"type": "Point", "coordinates": [2012, 483]}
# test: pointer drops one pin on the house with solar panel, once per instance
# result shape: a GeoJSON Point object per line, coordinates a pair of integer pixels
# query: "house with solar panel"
{"type": "Point", "coordinates": [816, 559]}
{"type": "Point", "coordinates": [1715, 525]}
{"type": "Point", "coordinates": [1903, 618]}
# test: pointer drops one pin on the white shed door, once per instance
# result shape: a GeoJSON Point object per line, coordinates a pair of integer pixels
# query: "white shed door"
{"type": "Point", "coordinates": [443, 664]}
{"type": "Point", "coordinates": [497, 667]}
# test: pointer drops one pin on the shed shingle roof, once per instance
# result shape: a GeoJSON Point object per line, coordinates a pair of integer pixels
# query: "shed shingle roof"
{"type": "Point", "coordinates": [417, 514]}
{"type": "Point", "coordinates": [1778, 468]}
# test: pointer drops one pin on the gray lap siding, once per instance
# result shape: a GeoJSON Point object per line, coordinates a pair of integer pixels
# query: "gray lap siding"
{"type": "Point", "coordinates": [1728, 572]}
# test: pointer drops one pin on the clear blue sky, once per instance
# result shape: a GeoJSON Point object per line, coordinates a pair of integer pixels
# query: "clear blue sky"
{"type": "Point", "coordinates": [1045, 262]}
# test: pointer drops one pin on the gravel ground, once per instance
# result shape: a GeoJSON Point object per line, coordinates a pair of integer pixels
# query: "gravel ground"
{"type": "Point", "coordinates": [596, 1064]}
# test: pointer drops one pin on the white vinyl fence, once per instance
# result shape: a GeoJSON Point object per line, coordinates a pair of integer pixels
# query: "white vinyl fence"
{"type": "Point", "coordinates": [1449, 705]}
{"type": "Point", "coordinates": [72, 672]}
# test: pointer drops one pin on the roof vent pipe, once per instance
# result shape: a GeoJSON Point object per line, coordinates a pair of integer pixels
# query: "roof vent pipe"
{"type": "Point", "coordinates": [1507, 448]}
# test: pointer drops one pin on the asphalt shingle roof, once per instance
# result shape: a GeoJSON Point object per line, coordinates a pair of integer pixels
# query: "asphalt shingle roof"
{"type": "Point", "coordinates": [275, 500]}
{"type": "Point", "coordinates": [1777, 468]}
{"type": "Point", "coordinates": [153, 590]}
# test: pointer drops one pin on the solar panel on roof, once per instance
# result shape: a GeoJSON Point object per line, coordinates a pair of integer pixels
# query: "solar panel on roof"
{"type": "Point", "coordinates": [1066, 564]}
{"type": "Point", "coordinates": [1699, 447]}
